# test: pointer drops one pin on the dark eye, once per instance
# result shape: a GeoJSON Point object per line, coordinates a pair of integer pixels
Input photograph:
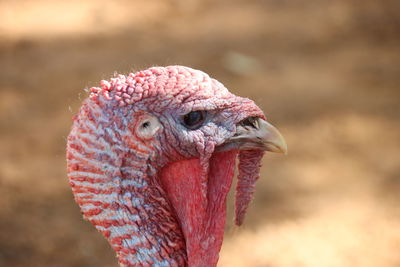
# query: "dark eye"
{"type": "Point", "coordinates": [194, 119]}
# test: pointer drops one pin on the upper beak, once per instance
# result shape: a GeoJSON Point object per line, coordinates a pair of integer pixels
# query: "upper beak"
{"type": "Point", "coordinates": [256, 133]}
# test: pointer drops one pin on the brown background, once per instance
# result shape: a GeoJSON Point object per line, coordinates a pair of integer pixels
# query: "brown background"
{"type": "Point", "coordinates": [326, 73]}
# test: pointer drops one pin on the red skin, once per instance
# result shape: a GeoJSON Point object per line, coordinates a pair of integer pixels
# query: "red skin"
{"type": "Point", "coordinates": [160, 200]}
{"type": "Point", "coordinates": [202, 220]}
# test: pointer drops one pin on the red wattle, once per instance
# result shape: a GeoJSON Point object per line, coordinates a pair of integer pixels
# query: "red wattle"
{"type": "Point", "coordinates": [202, 220]}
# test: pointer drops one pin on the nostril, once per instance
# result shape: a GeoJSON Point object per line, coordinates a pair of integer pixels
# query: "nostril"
{"type": "Point", "coordinates": [250, 121]}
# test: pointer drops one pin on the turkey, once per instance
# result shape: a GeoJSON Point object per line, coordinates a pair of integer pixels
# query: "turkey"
{"type": "Point", "coordinates": [151, 158]}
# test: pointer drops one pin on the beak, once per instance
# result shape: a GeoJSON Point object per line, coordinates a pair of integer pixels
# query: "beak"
{"type": "Point", "coordinates": [255, 133]}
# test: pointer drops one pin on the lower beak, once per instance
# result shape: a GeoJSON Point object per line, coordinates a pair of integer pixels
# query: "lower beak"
{"type": "Point", "coordinates": [255, 133]}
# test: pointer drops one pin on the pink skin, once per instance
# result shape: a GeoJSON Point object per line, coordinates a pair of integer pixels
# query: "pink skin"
{"type": "Point", "coordinates": [159, 198]}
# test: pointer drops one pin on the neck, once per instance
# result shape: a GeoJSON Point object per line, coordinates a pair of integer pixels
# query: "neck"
{"type": "Point", "coordinates": [120, 195]}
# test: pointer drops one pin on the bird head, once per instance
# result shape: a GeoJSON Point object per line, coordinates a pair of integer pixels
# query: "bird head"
{"type": "Point", "coordinates": [164, 141]}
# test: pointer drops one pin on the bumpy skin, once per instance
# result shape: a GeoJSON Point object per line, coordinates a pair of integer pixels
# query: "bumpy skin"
{"type": "Point", "coordinates": [124, 182]}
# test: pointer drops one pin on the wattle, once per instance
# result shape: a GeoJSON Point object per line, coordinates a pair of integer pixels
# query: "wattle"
{"type": "Point", "coordinates": [202, 216]}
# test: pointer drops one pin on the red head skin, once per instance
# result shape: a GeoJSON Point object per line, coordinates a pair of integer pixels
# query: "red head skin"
{"type": "Point", "coordinates": [154, 188]}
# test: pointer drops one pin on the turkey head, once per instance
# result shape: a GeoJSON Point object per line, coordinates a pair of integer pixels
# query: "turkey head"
{"type": "Point", "coordinates": [151, 158]}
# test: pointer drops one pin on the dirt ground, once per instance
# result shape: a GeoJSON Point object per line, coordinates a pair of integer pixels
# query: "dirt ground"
{"type": "Point", "coordinates": [326, 73]}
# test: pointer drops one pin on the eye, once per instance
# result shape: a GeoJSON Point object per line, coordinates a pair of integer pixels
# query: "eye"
{"type": "Point", "coordinates": [193, 120]}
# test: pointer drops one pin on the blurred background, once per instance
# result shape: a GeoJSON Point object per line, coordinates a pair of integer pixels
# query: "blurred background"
{"type": "Point", "coordinates": [326, 73]}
